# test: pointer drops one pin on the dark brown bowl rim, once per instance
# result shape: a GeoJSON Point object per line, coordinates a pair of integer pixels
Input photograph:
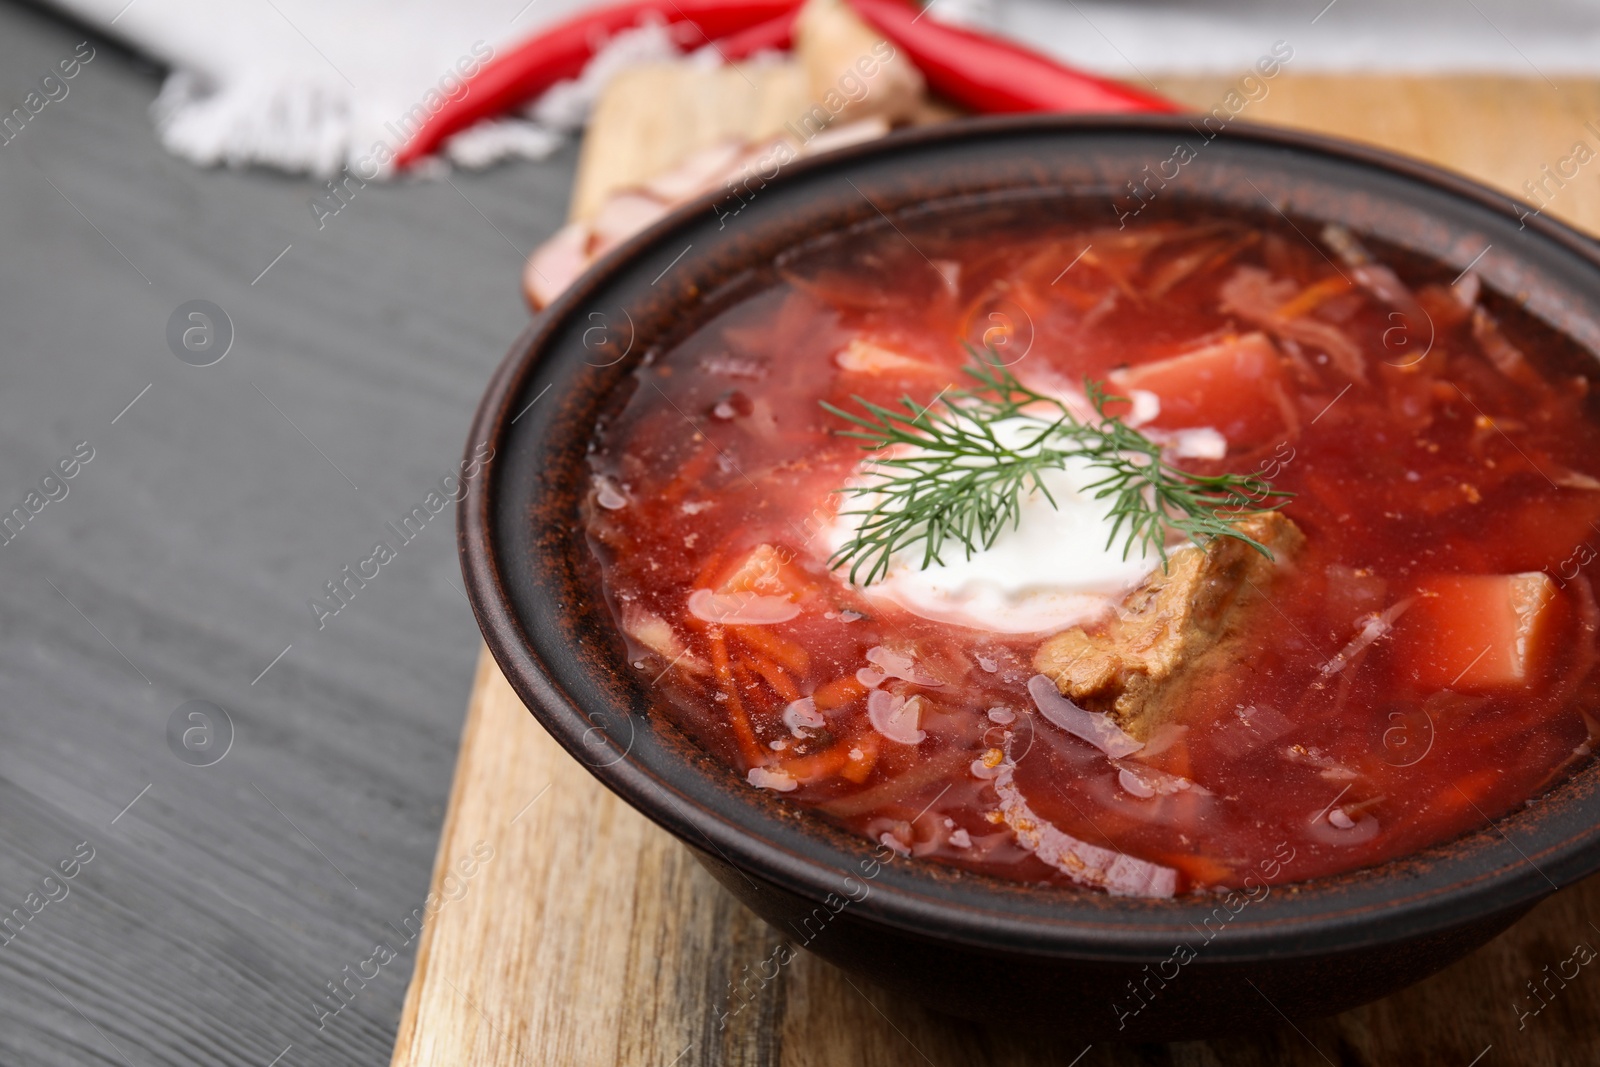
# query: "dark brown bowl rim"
{"type": "Point", "coordinates": [1481, 874]}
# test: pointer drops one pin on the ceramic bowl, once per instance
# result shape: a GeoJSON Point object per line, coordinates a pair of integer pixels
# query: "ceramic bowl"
{"type": "Point", "coordinates": [1079, 962]}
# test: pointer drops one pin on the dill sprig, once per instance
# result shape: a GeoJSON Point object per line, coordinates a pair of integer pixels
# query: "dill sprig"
{"type": "Point", "coordinates": [959, 482]}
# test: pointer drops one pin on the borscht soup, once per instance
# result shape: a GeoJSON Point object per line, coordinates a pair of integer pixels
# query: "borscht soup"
{"type": "Point", "coordinates": [1217, 550]}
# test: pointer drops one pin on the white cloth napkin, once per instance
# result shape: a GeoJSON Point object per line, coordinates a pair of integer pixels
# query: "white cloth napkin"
{"type": "Point", "coordinates": [313, 85]}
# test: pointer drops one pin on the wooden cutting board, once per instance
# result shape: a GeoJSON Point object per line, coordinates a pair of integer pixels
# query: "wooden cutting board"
{"type": "Point", "coordinates": [591, 937]}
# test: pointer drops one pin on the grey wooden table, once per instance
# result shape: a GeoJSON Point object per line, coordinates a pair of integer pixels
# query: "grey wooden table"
{"type": "Point", "coordinates": [220, 900]}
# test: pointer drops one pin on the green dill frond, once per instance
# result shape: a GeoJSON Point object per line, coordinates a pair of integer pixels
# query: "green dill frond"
{"type": "Point", "coordinates": [945, 479]}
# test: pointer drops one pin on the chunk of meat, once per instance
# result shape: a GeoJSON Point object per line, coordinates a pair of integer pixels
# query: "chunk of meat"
{"type": "Point", "coordinates": [1174, 630]}
{"type": "Point", "coordinates": [1480, 631]}
{"type": "Point", "coordinates": [1235, 385]}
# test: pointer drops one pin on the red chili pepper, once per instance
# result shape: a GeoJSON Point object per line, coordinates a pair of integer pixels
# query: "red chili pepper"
{"type": "Point", "coordinates": [773, 35]}
{"type": "Point", "coordinates": [558, 52]}
{"type": "Point", "coordinates": [992, 76]}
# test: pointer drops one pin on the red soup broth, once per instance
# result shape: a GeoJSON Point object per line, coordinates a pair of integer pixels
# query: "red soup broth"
{"type": "Point", "coordinates": [1423, 666]}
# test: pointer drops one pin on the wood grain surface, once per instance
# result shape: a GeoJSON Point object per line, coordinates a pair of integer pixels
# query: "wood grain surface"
{"type": "Point", "coordinates": [178, 568]}
{"type": "Point", "coordinates": [592, 937]}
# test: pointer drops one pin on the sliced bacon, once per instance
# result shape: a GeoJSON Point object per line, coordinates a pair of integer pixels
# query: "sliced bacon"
{"type": "Point", "coordinates": [556, 263]}
{"type": "Point", "coordinates": [698, 172]}
{"type": "Point", "coordinates": [621, 217]}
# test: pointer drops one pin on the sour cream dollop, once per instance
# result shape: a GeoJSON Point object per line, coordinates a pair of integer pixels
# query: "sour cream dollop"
{"type": "Point", "coordinates": [1055, 569]}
